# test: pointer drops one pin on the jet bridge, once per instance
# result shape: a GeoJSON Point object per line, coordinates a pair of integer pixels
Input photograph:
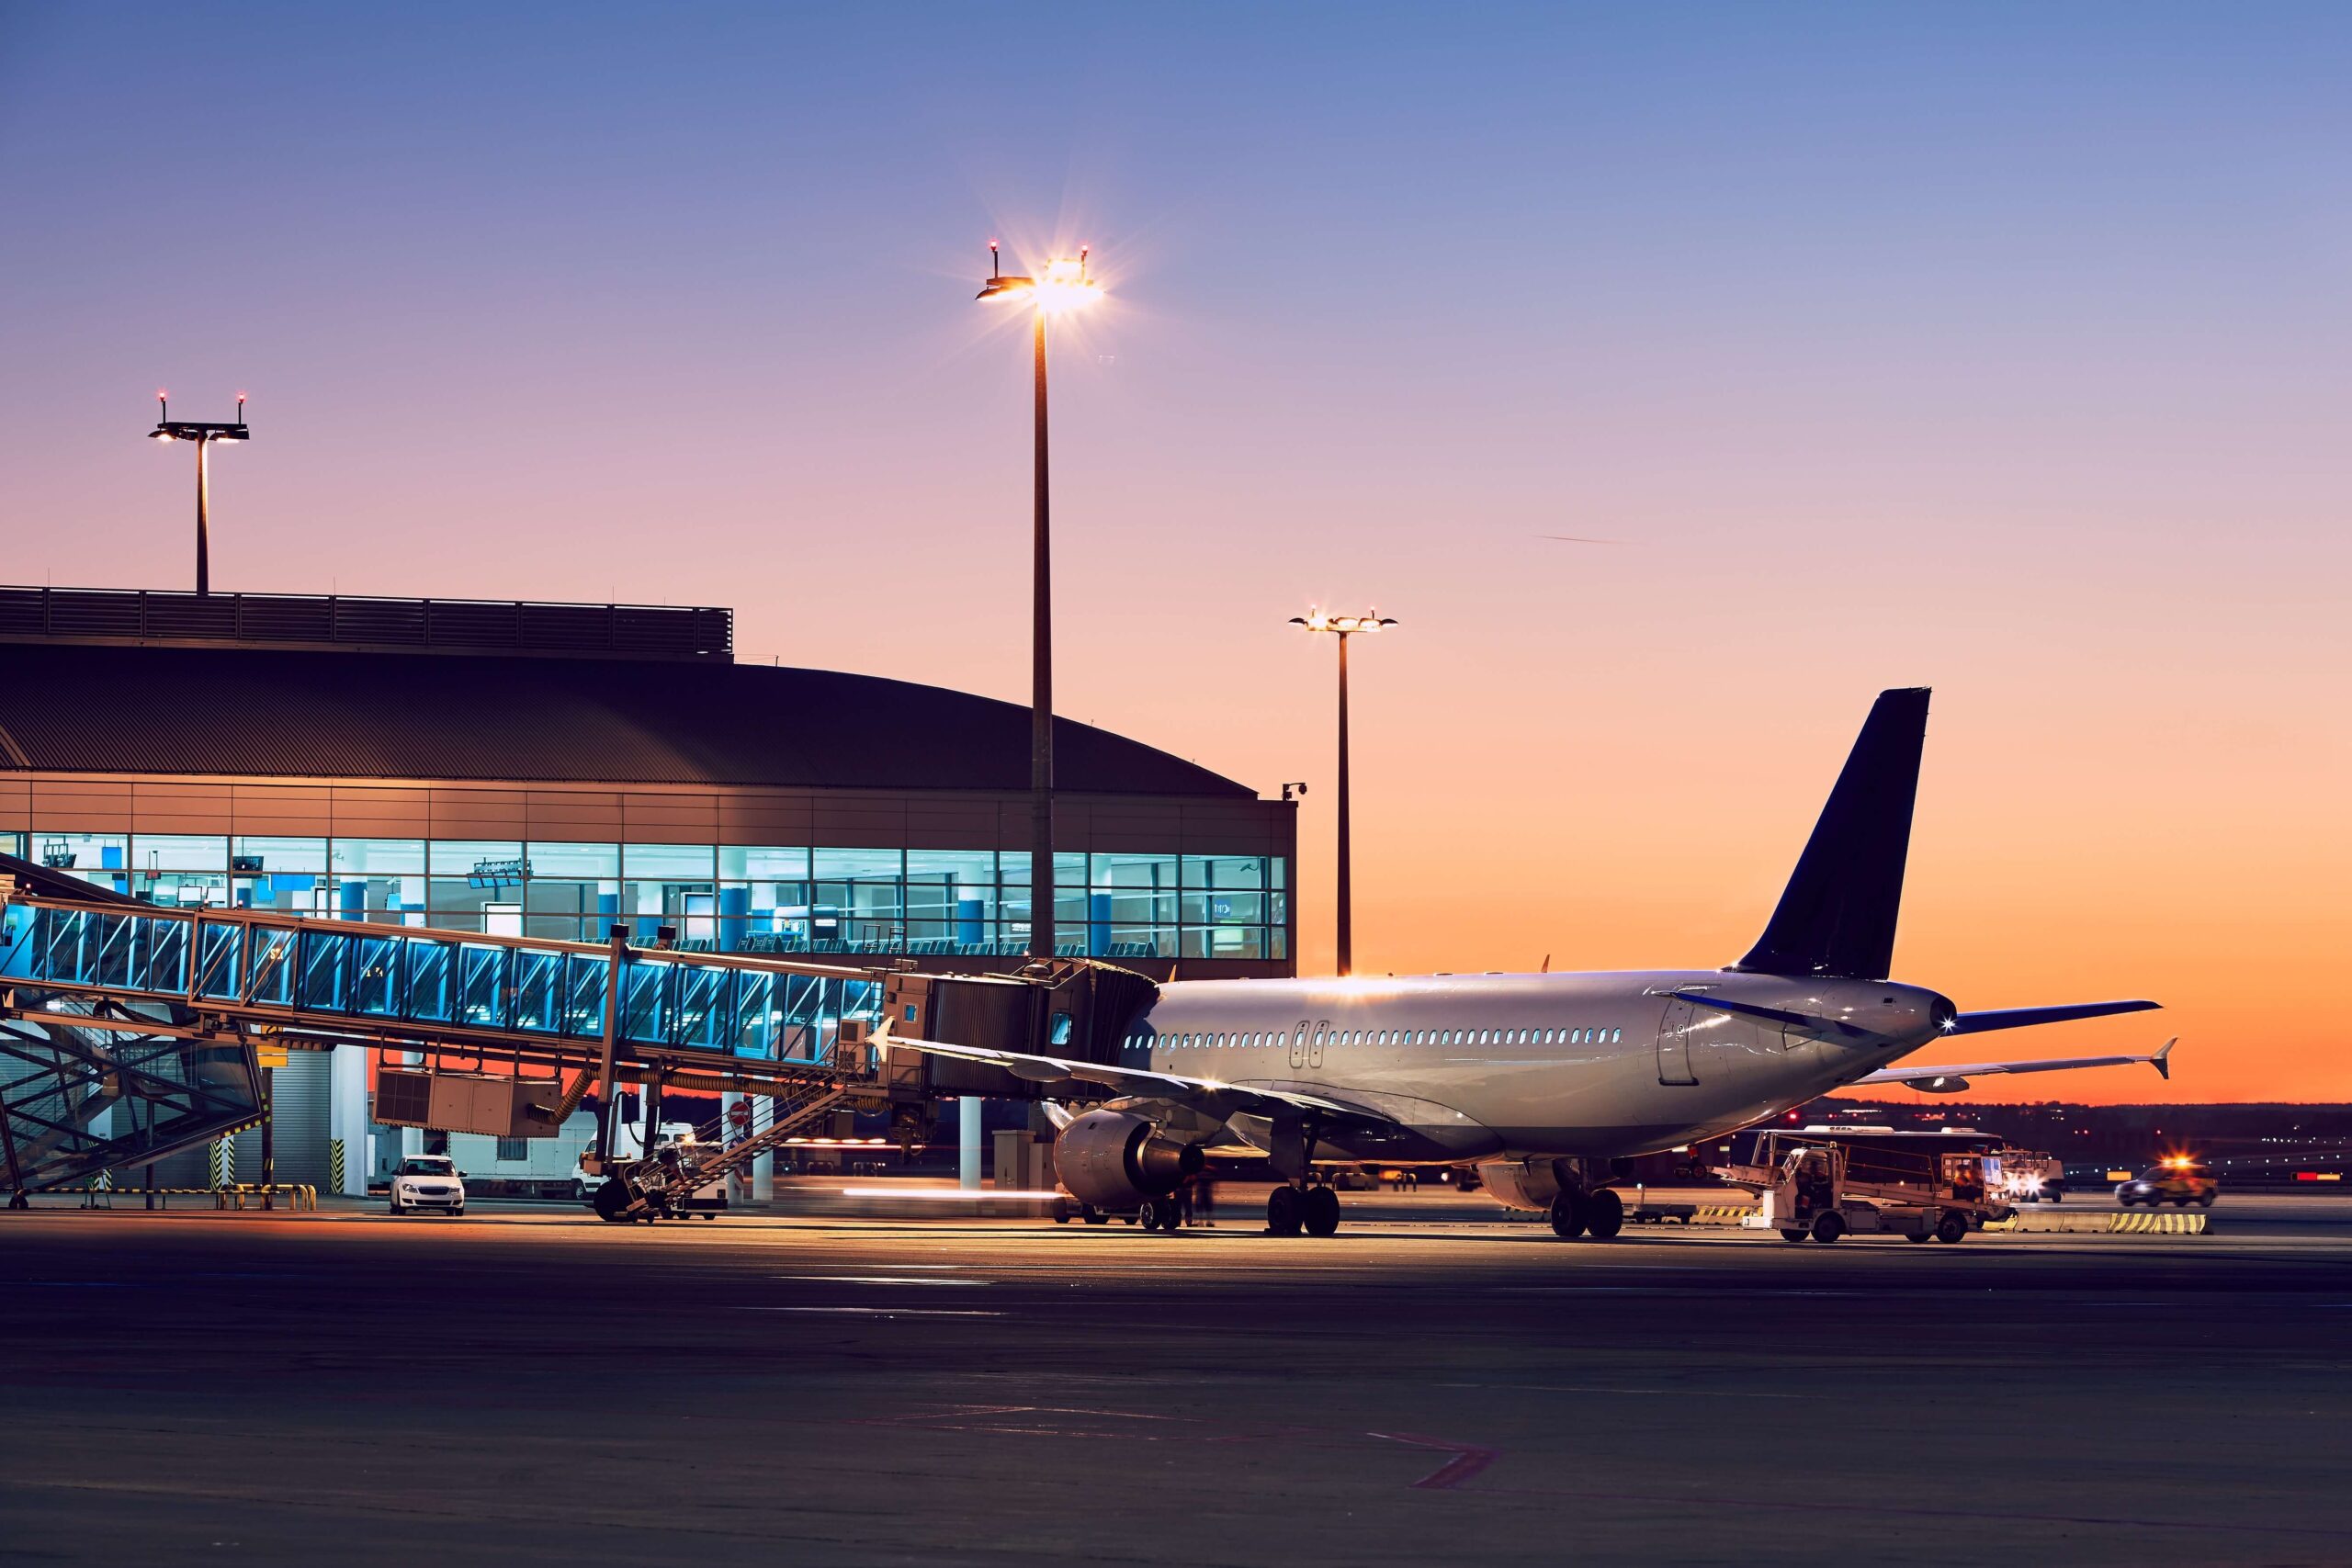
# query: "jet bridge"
{"type": "Point", "coordinates": [108, 1004]}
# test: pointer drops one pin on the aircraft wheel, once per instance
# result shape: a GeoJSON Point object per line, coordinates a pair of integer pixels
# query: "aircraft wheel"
{"type": "Point", "coordinates": [1604, 1214]}
{"type": "Point", "coordinates": [1320, 1210]}
{"type": "Point", "coordinates": [1282, 1211]}
{"type": "Point", "coordinates": [1828, 1228]}
{"type": "Point", "coordinates": [1799, 1235]}
{"type": "Point", "coordinates": [1567, 1214]}
{"type": "Point", "coordinates": [1952, 1228]}
{"type": "Point", "coordinates": [1156, 1214]}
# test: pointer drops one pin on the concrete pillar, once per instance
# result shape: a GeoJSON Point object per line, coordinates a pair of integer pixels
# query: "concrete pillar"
{"type": "Point", "coordinates": [347, 1117]}
{"type": "Point", "coordinates": [763, 1166]}
{"type": "Point", "coordinates": [967, 1143]}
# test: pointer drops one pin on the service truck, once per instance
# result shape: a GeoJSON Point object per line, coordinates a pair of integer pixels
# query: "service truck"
{"type": "Point", "coordinates": [1826, 1185]}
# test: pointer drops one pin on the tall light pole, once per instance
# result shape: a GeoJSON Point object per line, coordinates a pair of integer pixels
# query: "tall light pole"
{"type": "Point", "coordinates": [1063, 286]}
{"type": "Point", "coordinates": [204, 432]}
{"type": "Point", "coordinates": [1344, 627]}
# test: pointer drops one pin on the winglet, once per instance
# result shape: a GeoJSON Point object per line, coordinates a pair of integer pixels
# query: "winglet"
{"type": "Point", "coordinates": [2159, 1061]}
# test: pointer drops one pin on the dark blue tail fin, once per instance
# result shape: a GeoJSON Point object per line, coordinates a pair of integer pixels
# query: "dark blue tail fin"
{"type": "Point", "coordinates": [1837, 915]}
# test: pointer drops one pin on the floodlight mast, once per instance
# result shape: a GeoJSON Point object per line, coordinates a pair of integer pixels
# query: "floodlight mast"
{"type": "Point", "coordinates": [1062, 286]}
{"type": "Point", "coordinates": [204, 432]}
{"type": "Point", "coordinates": [1343, 628]}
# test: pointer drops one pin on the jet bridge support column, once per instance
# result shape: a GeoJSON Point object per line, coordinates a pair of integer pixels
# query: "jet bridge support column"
{"type": "Point", "coordinates": [347, 1117]}
{"type": "Point", "coordinates": [967, 1143]}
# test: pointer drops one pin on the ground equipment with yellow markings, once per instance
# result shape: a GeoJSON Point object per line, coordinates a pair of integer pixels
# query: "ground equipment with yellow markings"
{"type": "Point", "coordinates": [1808, 1184]}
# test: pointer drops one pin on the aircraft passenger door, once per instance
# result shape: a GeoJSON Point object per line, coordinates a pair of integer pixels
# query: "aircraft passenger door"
{"type": "Point", "coordinates": [1674, 1042]}
{"type": "Point", "coordinates": [1298, 1044]}
{"type": "Point", "coordinates": [1314, 1043]}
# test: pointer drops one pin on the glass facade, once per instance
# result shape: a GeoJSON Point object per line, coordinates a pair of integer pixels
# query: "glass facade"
{"type": "Point", "coordinates": [725, 898]}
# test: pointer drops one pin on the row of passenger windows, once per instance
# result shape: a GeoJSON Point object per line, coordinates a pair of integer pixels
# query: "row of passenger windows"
{"type": "Point", "coordinates": [1254, 1038]}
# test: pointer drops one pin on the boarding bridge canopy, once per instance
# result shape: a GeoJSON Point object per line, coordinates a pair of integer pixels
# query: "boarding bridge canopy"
{"type": "Point", "coordinates": [200, 986]}
{"type": "Point", "coordinates": [338, 977]}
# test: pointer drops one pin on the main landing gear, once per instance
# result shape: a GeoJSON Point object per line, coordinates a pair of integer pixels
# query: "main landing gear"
{"type": "Point", "coordinates": [1314, 1210]}
{"type": "Point", "coordinates": [1598, 1213]}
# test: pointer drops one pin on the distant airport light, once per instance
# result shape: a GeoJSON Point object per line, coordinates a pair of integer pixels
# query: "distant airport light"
{"type": "Point", "coordinates": [1343, 628]}
{"type": "Point", "coordinates": [204, 432]}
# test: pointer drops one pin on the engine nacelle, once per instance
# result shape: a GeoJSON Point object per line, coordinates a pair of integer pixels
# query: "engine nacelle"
{"type": "Point", "coordinates": [1113, 1160]}
{"type": "Point", "coordinates": [1522, 1184]}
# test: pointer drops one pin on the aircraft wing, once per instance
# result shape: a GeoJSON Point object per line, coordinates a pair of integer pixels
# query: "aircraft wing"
{"type": "Point", "coordinates": [1209, 1095]}
{"type": "Point", "coordinates": [1952, 1079]}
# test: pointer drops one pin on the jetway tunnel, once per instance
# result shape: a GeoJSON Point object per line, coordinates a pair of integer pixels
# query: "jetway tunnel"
{"type": "Point", "coordinates": [169, 1008]}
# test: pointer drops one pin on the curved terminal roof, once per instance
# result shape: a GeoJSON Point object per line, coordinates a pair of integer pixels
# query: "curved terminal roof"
{"type": "Point", "coordinates": [99, 708]}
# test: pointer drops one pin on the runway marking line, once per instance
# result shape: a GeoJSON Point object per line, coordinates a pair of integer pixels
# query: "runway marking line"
{"type": "Point", "coordinates": [879, 1280]}
{"type": "Point", "coordinates": [1468, 1459]}
{"type": "Point", "coordinates": [877, 1310]}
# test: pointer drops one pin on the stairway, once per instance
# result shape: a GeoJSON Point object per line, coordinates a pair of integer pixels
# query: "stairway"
{"type": "Point", "coordinates": [676, 1171]}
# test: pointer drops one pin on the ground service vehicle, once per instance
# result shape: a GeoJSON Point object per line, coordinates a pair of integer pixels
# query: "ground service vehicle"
{"type": "Point", "coordinates": [2179, 1181]}
{"type": "Point", "coordinates": [428, 1182]}
{"type": "Point", "coordinates": [676, 1149]}
{"type": "Point", "coordinates": [1809, 1185]}
{"type": "Point", "coordinates": [2026, 1176]}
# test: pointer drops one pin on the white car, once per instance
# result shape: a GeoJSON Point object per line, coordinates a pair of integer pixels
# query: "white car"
{"type": "Point", "coordinates": [428, 1181]}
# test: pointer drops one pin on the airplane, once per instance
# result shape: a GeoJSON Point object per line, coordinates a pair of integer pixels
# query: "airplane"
{"type": "Point", "coordinates": [1540, 1081]}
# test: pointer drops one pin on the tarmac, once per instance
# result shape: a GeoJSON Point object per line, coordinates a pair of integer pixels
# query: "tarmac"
{"type": "Point", "coordinates": [1437, 1384]}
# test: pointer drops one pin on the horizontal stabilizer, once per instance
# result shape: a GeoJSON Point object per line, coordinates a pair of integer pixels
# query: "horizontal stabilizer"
{"type": "Point", "coordinates": [1953, 1078]}
{"type": "Point", "coordinates": [2025, 1018]}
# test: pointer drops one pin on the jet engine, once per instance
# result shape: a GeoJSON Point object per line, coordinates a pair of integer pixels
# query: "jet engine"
{"type": "Point", "coordinates": [1522, 1184]}
{"type": "Point", "coordinates": [1113, 1160]}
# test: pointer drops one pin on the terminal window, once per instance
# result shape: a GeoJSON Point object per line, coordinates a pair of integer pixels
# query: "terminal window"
{"type": "Point", "coordinates": [758, 898]}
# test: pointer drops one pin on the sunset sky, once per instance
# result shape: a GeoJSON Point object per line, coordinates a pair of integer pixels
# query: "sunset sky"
{"type": "Point", "coordinates": [1993, 349]}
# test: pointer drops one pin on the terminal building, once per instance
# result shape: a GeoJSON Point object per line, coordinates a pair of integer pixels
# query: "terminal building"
{"type": "Point", "coordinates": [550, 769]}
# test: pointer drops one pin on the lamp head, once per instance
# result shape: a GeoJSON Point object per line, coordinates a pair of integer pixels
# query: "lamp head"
{"type": "Point", "coordinates": [1064, 285]}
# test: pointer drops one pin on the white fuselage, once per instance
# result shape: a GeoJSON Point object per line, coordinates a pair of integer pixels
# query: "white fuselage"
{"type": "Point", "coordinates": [1510, 1067]}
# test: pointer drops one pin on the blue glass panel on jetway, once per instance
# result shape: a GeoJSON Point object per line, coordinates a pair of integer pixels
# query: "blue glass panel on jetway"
{"type": "Point", "coordinates": [585, 980]}
{"type": "Point", "coordinates": [429, 980]}
{"type": "Point", "coordinates": [482, 991]}
{"type": "Point", "coordinates": [645, 1000]}
{"type": "Point", "coordinates": [376, 989]}
{"type": "Point", "coordinates": [754, 1028]}
{"type": "Point", "coordinates": [109, 945]}
{"type": "Point", "coordinates": [538, 991]}
{"type": "Point", "coordinates": [326, 971]}
{"type": "Point", "coordinates": [703, 1014]}
{"type": "Point", "coordinates": [219, 968]}
{"type": "Point", "coordinates": [269, 974]}
{"type": "Point", "coordinates": [167, 964]}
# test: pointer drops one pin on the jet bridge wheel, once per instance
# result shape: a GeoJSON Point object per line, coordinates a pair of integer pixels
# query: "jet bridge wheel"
{"type": "Point", "coordinates": [1284, 1210]}
{"type": "Point", "coordinates": [1320, 1210]}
